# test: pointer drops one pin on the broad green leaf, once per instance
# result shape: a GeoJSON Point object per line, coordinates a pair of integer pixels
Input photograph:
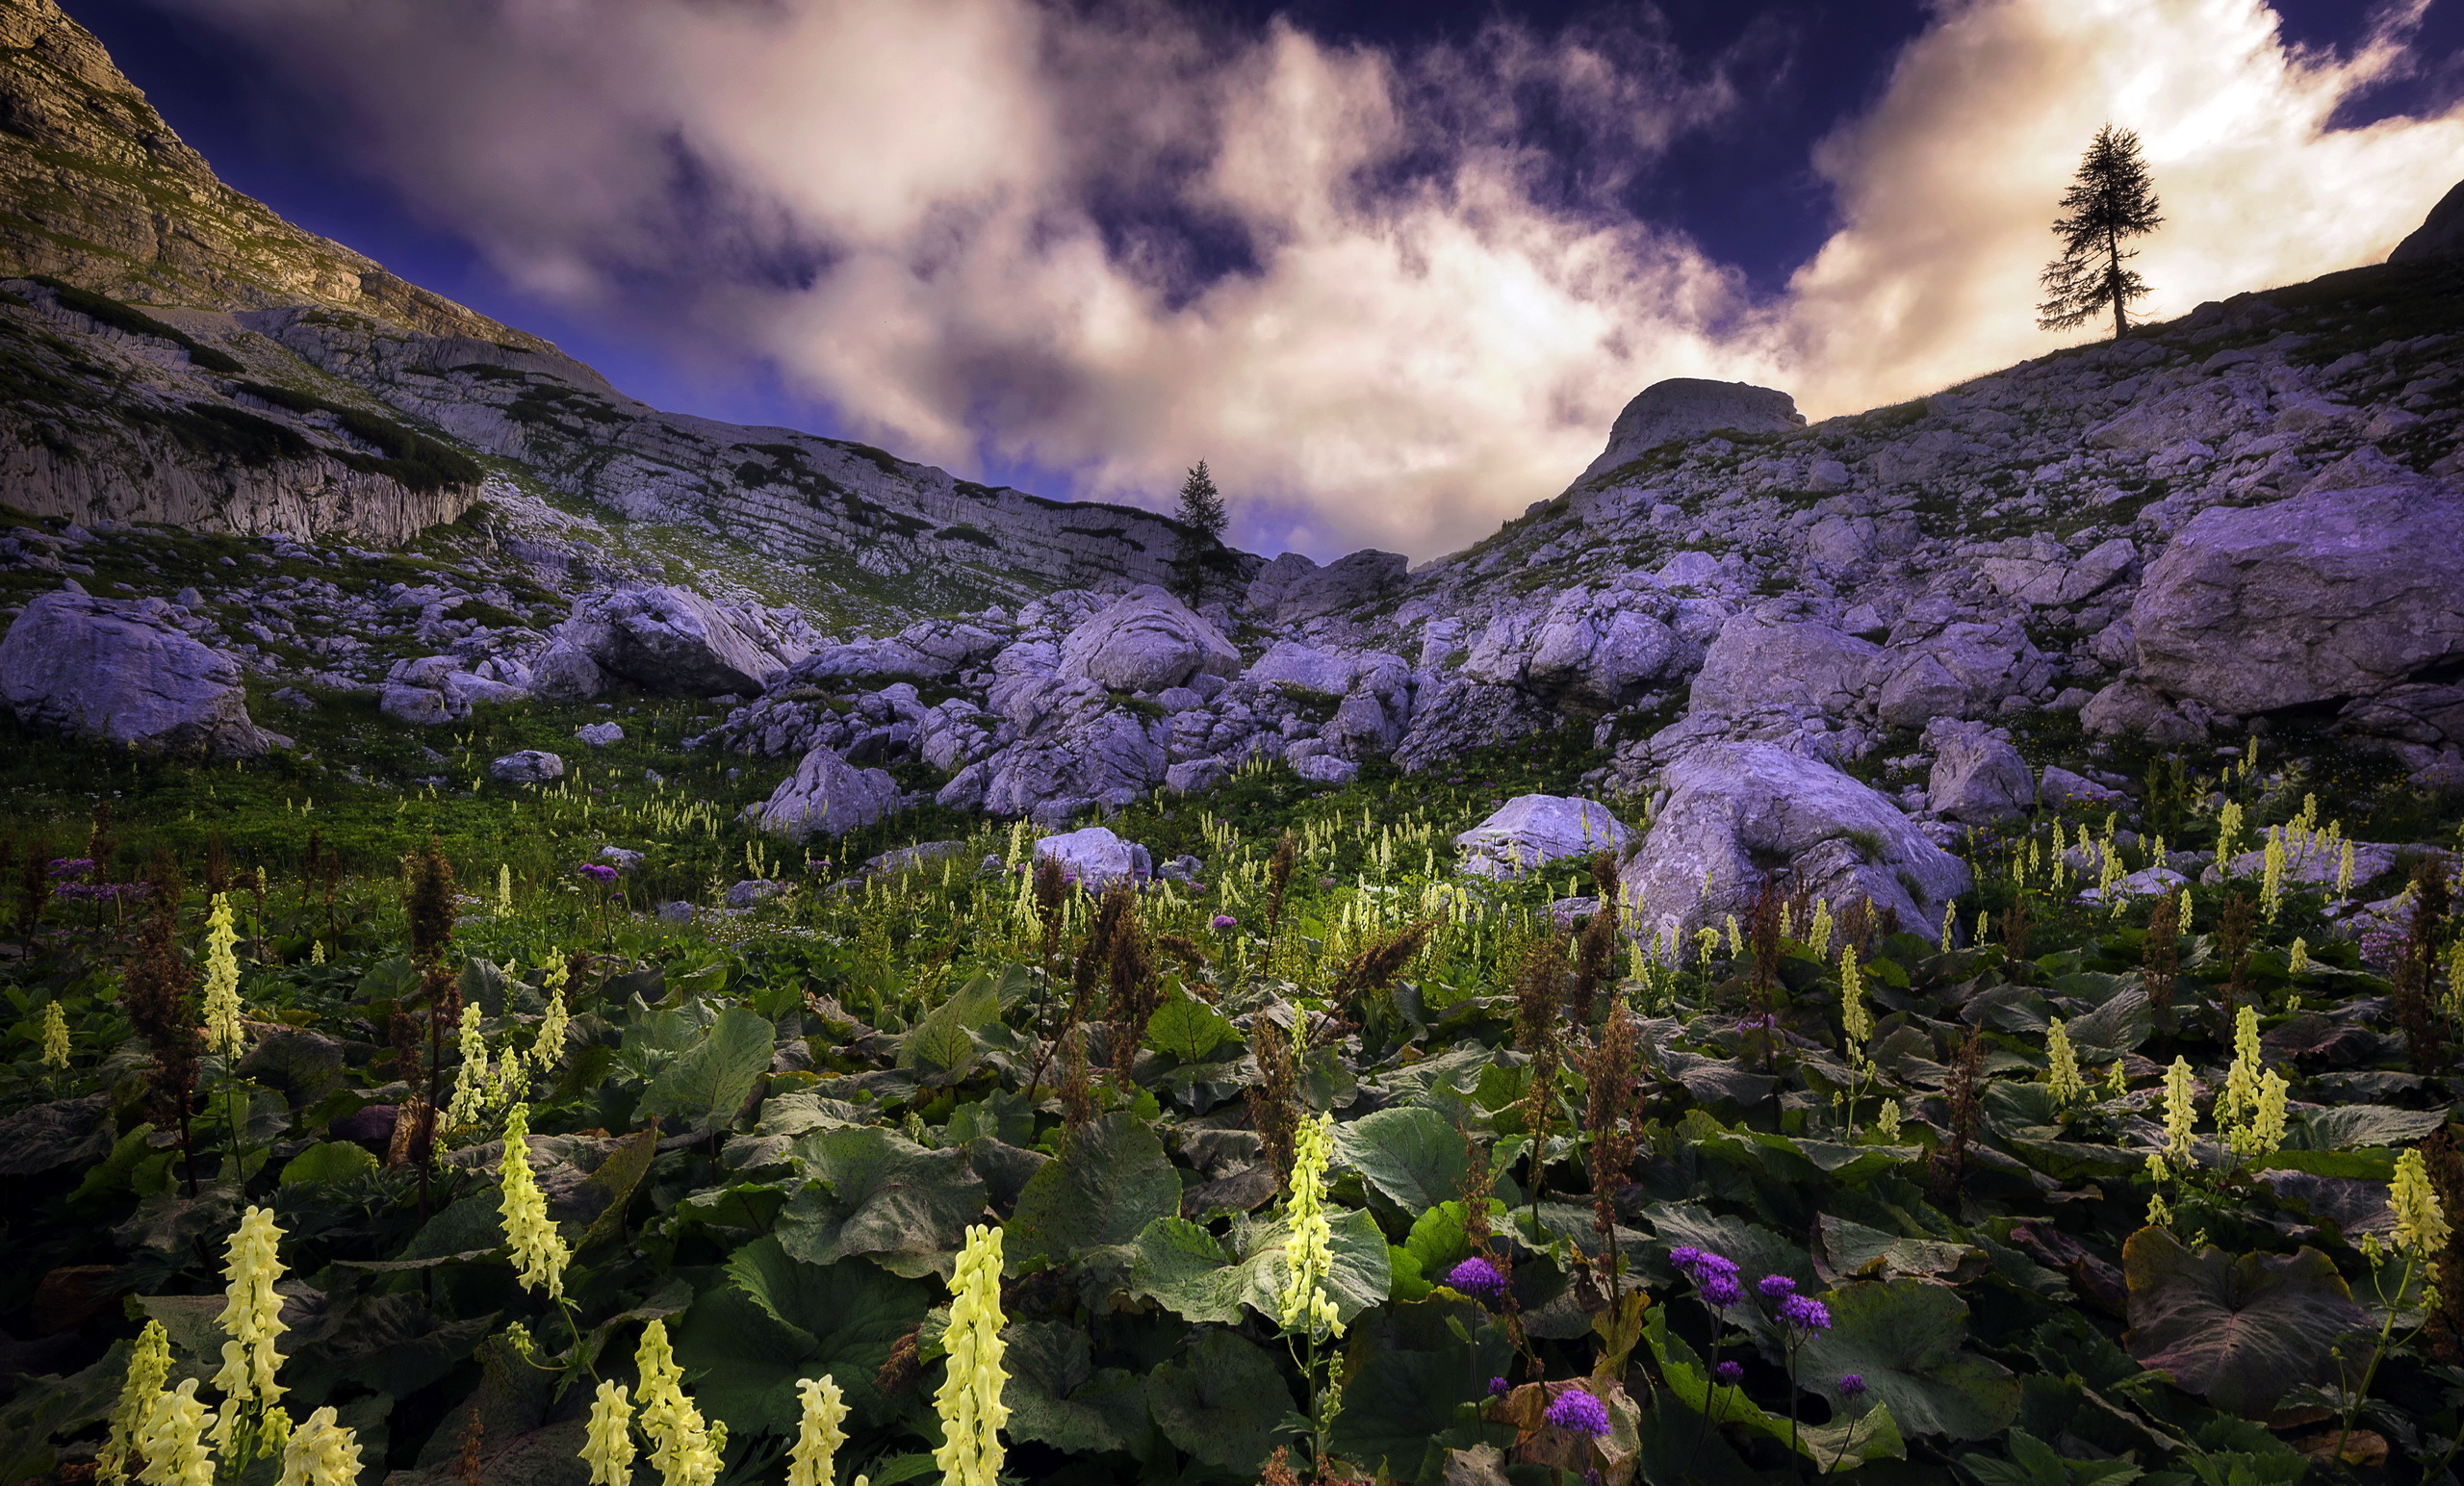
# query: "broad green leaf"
{"type": "Point", "coordinates": [328, 1161]}
{"type": "Point", "coordinates": [1222, 1400]}
{"type": "Point", "coordinates": [1186, 1269]}
{"type": "Point", "coordinates": [1873, 1435]}
{"type": "Point", "coordinates": [773, 1320]}
{"type": "Point", "coordinates": [709, 1082]}
{"type": "Point", "coordinates": [2238, 1332]}
{"type": "Point", "coordinates": [1056, 1397]}
{"type": "Point", "coordinates": [1412, 1155]}
{"type": "Point", "coordinates": [2344, 1126]}
{"type": "Point", "coordinates": [1398, 1399]}
{"type": "Point", "coordinates": [1904, 1337]}
{"type": "Point", "coordinates": [58, 1134]}
{"type": "Point", "coordinates": [389, 980]}
{"type": "Point", "coordinates": [1112, 1181]}
{"type": "Point", "coordinates": [2113, 1029]}
{"type": "Point", "coordinates": [1440, 1239]}
{"type": "Point", "coordinates": [942, 1044]}
{"type": "Point", "coordinates": [878, 1194]}
{"type": "Point", "coordinates": [1189, 1030]}
{"type": "Point", "coordinates": [611, 1187]}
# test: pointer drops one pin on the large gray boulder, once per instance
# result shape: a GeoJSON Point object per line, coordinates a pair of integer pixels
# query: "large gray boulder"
{"type": "Point", "coordinates": [2128, 709]}
{"type": "Point", "coordinates": [827, 795]}
{"type": "Point", "coordinates": [2328, 595]}
{"type": "Point", "coordinates": [1082, 751]}
{"type": "Point", "coordinates": [1605, 649]}
{"type": "Point", "coordinates": [1096, 858]}
{"type": "Point", "coordinates": [1292, 588]}
{"type": "Point", "coordinates": [1979, 776]}
{"type": "Point", "coordinates": [1684, 407]}
{"type": "Point", "coordinates": [1965, 669]}
{"type": "Point", "coordinates": [530, 766]}
{"type": "Point", "coordinates": [1145, 640]}
{"type": "Point", "coordinates": [120, 671]}
{"type": "Point", "coordinates": [1531, 831]}
{"type": "Point", "coordinates": [669, 641]}
{"type": "Point", "coordinates": [2440, 234]}
{"type": "Point", "coordinates": [1737, 812]}
{"type": "Point", "coordinates": [1757, 662]}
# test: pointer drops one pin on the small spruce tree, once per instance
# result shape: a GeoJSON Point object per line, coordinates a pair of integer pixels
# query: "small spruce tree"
{"type": "Point", "coordinates": [2112, 198]}
{"type": "Point", "coordinates": [1203, 517]}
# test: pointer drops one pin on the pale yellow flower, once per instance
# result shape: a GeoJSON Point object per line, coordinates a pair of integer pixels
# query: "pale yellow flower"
{"type": "Point", "coordinates": [550, 1049]}
{"type": "Point", "coordinates": [471, 1079]}
{"type": "Point", "coordinates": [2181, 1114]}
{"type": "Point", "coordinates": [2345, 870]}
{"type": "Point", "coordinates": [1309, 1255]}
{"type": "Point", "coordinates": [2159, 1216]}
{"type": "Point", "coordinates": [2298, 960]}
{"type": "Point", "coordinates": [321, 1453]}
{"type": "Point", "coordinates": [607, 1441]}
{"type": "Point", "coordinates": [2267, 1126]}
{"type": "Point", "coordinates": [1820, 934]}
{"type": "Point", "coordinates": [149, 1364]}
{"type": "Point", "coordinates": [55, 1037]}
{"type": "Point", "coordinates": [252, 1318]}
{"type": "Point", "coordinates": [2421, 1223]}
{"type": "Point", "coordinates": [2272, 883]}
{"type": "Point", "coordinates": [969, 1398]}
{"type": "Point", "coordinates": [685, 1451]}
{"type": "Point", "coordinates": [2061, 1064]}
{"type": "Point", "coordinates": [1854, 1019]}
{"type": "Point", "coordinates": [172, 1439]}
{"type": "Point", "coordinates": [2240, 1092]}
{"type": "Point", "coordinates": [813, 1460]}
{"type": "Point", "coordinates": [1887, 1123]}
{"type": "Point", "coordinates": [221, 1000]}
{"type": "Point", "coordinates": [539, 1252]}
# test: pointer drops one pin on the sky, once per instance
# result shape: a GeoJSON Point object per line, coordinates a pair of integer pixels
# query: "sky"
{"type": "Point", "coordinates": [1390, 269]}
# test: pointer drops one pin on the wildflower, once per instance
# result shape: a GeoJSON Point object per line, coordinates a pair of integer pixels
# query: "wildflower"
{"type": "Point", "coordinates": [2159, 1216]}
{"type": "Point", "coordinates": [321, 1453]}
{"type": "Point", "coordinates": [221, 1000]}
{"type": "Point", "coordinates": [1224, 922]}
{"type": "Point", "coordinates": [683, 1450]}
{"type": "Point", "coordinates": [471, 1079]}
{"type": "Point", "coordinates": [818, 1433]}
{"type": "Point", "coordinates": [1805, 1314]}
{"type": "Point", "coordinates": [2298, 960]}
{"type": "Point", "coordinates": [1309, 1256]}
{"type": "Point", "coordinates": [316, 951]}
{"type": "Point", "coordinates": [1736, 939]}
{"type": "Point", "coordinates": [608, 1442]}
{"type": "Point", "coordinates": [1950, 919]}
{"type": "Point", "coordinates": [2343, 871]}
{"type": "Point", "coordinates": [2272, 883]}
{"type": "Point", "coordinates": [2241, 1080]}
{"type": "Point", "coordinates": [2179, 1113]}
{"type": "Point", "coordinates": [2061, 1064]}
{"type": "Point", "coordinates": [1819, 935]}
{"type": "Point", "coordinates": [1729, 1375]}
{"type": "Point", "coordinates": [550, 1049]}
{"type": "Point", "coordinates": [1855, 1020]}
{"type": "Point", "coordinates": [1498, 1388]}
{"type": "Point", "coordinates": [252, 1318]}
{"type": "Point", "coordinates": [1476, 1278]}
{"type": "Point", "coordinates": [1775, 1287]}
{"type": "Point", "coordinates": [1577, 1411]}
{"type": "Point", "coordinates": [538, 1254]}
{"type": "Point", "coordinates": [55, 1036]}
{"type": "Point", "coordinates": [2117, 1081]}
{"type": "Point", "coordinates": [2421, 1223]}
{"type": "Point", "coordinates": [1851, 1385]}
{"type": "Point", "coordinates": [969, 1400]}
{"type": "Point", "coordinates": [172, 1439]}
{"type": "Point", "coordinates": [2228, 832]}
{"type": "Point", "coordinates": [1887, 1123]}
{"type": "Point", "coordinates": [149, 1362]}
{"type": "Point", "coordinates": [597, 871]}
{"type": "Point", "coordinates": [2373, 1250]}
{"type": "Point", "coordinates": [2267, 1126]}
{"type": "Point", "coordinates": [504, 889]}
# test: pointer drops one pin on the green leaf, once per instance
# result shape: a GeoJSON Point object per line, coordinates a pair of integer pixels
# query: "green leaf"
{"type": "Point", "coordinates": [328, 1161]}
{"type": "Point", "coordinates": [1186, 1270]}
{"type": "Point", "coordinates": [1873, 1435]}
{"type": "Point", "coordinates": [1398, 1397]}
{"type": "Point", "coordinates": [1222, 1400]}
{"type": "Point", "coordinates": [1055, 1396]}
{"type": "Point", "coordinates": [2344, 1126]}
{"type": "Point", "coordinates": [58, 1134]}
{"type": "Point", "coordinates": [611, 1187]}
{"type": "Point", "coordinates": [709, 1082]}
{"type": "Point", "coordinates": [943, 1045]}
{"type": "Point", "coordinates": [1188, 1030]}
{"type": "Point", "coordinates": [1111, 1180]}
{"type": "Point", "coordinates": [878, 1194]}
{"type": "Point", "coordinates": [1903, 1337]}
{"type": "Point", "coordinates": [773, 1320]}
{"type": "Point", "coordinates": [2238, 1332]}
{"type": "Point", "coordinates": [1412, 1155]}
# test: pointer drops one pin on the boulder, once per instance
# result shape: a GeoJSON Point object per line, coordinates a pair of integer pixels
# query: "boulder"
{"type": "Point", "coordinates": [1963, 670]}
{"type": "Point", "coordinates": [1605, 649]}
{"type": "Point", "coordinates": [1326, 769]}
{"type": "Point", "coordinates": [1197, 776]}
{"type": "Point", "coordinates": [1530, 831]}
{"type": "Point", "coordinates": [2128, 709]}
{"type": "Point", "coordinates": [1292, 588]}
{"type": "Point", "coordinates": [672, 642]}
{"type": "Point", "coordinates": [1758, 664]}
{"type": "Point", "coordinates": [2440, 234]}
{"type": "Point", "coordinates": [2058, 785]}
{"type": "Point", "coordinates": [753, 892]}
{"type": "Point", "coordinates": [1096, 858]}
{"type": "Point", "coordinates": [1685, 407]}
{"type": "Point", "coordinates": [1146, 641]}
{"type": "Point", "coordinates": [1979, 778]}
{"type": "Point", "coordinates": [2325, 596]}
{"type": "Point", "coordinates": [1740, 812]}
{"type": "Point", "coordinates": [600, 734]}
{"type": "Point", "coordinates": [110, 670]}
{"type": "Point", "coordinates": [1080, 754]}
{"type": "Point", "coordinates": [565, 673]}
{"type": "Point", "coordinates": [530, 766]}
{"type": "Point", "coordinates": [827, 795]}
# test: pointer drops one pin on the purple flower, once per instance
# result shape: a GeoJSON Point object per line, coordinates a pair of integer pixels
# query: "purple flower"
{"type": "Point", "coordinates": [1729, 1375]}
{"type": "Point", "coordinates": [1498, 1388]}
{"type": "Point", "coordinates": [1719, 1290]}
{"type": "Point", "coordinates": [598, 873]}
{"type": "Point", "coordinates": [1477, 1278]}
{"type": "Point", "coordinates": [71, 867]}
{"type": "Point", "coordinates": [1852, 1385]}
{"type": "Point", "coordinates": [1775, 1285]}
{"type": "Point", "coordinates": [1577, 1411]}
{"type": "Point", "coordinates": [1699, 1262]}
{"type": "Point", "coordinates": [1224, 921]}
{"type": "Point", "coordinates": [1806, 1314]}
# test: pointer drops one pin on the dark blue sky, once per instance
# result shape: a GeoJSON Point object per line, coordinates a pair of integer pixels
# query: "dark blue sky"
{"type": "Point", "coordinates": [1742, 186]}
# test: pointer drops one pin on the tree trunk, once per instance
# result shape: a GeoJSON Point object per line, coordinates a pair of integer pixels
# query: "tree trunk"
{"type": "Point", "coordinates": [2113, 282]}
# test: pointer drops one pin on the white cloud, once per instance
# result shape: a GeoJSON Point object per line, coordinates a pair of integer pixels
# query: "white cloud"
{"type": "Point", "coordinates": [1109, 240]}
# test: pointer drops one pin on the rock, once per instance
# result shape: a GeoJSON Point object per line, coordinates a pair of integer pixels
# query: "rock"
{"type": "Point", "coordinates": [2128, 709]}
{"type": "Point", "coordinates": [922, 854]}
{"type": "Point", "coordinates": [1292, 588]}
{"type": "Point", "coordinates": [1146, 641]}
{"type": "Point", "coordinates": [105, 668]}
{"type": "Point", "coordinates": [2145, 883]}
{"type": "Point", "coordinates": [677, 912]}
{"type": "Point", "coordinates": [1197, 776]}
{"type": "Point", "coordinates": [1452, 715]}
{"type": "Point", "coordinates": [2321, 597]}
{"type": "Point", "coordinates": [753, 892]}
{"type": "Point", "coordinates": [422, 707]}
{"type": "Point", "coordinates": [1096, 858]}
{"type": "Point", "coordinates": [619, 858]}
{"type": "Point", "coordinates": [2417, 712]}
{"type": "Point", "coordinates": [828, 796]}
{"type": "Point", "coordinates": [530, 766]}
{"type": "Point", "coordinates": [2053, 577]}
{"type": "Point", "coordinates": [565, 673]}
{"type": "Point", "coordinates": [1978, 776]}
{"type": "Point", "coordinates": [672, 642]}
{"type": "Point", "coordinates": [1737, 812]}
{"type": "Point", "coordinates": [1326, 769]}
{"type": "Point", "coordinates": [1080, 754]}
{"type": "Point", "coordinates": [600, 734]}
{"type": "Point", "coordinates": [1756, 663]}
{"type": "Point", "coordinates": [2309, 862]}
{"type": "Point", "coordinates": [2440, 234]}
{"type": "Point", "coordinates": [1531, 831]}
{"type": "Point", "coordinates": [1965, 669]}
{"type": "Point", "coordinates": [1684, 407]}
{"type": "Point", "coordinates": [2059, 786]}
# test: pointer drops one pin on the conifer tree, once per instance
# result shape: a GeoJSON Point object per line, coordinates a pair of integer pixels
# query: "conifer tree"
{"type": "Point", "coordinates": [1203, 517]}
{"type": "Point", "coordinates": [2110, 199]}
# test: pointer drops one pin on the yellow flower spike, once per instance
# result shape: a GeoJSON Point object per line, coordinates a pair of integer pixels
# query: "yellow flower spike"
{"type": "Point", "coordinates": [2421, 1223]}
{"type": "Point", "coordinates": [172, 1439]}
{"type": "Point", "coordinates": [2180, 1113]}
{"type": "Point", "coordinates": [1736, 939]}
{"type": "Point", "coordinates": [221, 1000]}
{"type": "Point", "coordinates": [607, 1441]}
{"type": "Point", "coordinates": [149, 1364]}
{"type": "Point", "coordinates": [1857, 1022]}
{"type": "Point", "coordinates": [2159, 1216]}
{"type": "Point", "coordinates": [2267, 1127]}
{"type": "Point", "coordinates": [2240, 1096]}
{"type": "Point", "coordinates": [2345, 870]}
{"type": "Point", "coordinates": [2272, 883]}
{"type": "Point", "coordinates": [1309, 1253]}
{"type": "Point", "coordinates": [471, 1079]}
{"type": "Point", "coordinates": [819, 1432]}
{"type": "Point", "coordinates": [321, 1453]}
{"type": "Point", "coordinates": [2298, 960]}
{"type": "Point", "coordinates": [55, 1037]}
{"type": "Point", "coordinates": [2228, 831]}
{"type": "Point", "coordinates": [550, 1050]}
{"type": "Point", "coordinates": [539, 1253]}
{"type": "Point", "coordinates": [2117, 1081]}
{"type": "Point", "coordinates": [252, 1318]}
{"type": "Point", "coordinates": [681, 1449]}
{"type": "Point", "coordinates": [1887, 1123]}
{"type": "Point", "coordinates": [969, 1398]}
{"type": "Point", "coordinates": [2061, 1064]}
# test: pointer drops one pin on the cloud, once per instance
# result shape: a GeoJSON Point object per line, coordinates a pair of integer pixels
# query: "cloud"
{"type": "Point", "coordinates": [1390, 296]}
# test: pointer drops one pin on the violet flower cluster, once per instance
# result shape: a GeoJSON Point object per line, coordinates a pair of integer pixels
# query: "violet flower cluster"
{"type": "Point", "coordinates": [1577, 1411]}
{"type": "Point", "coordinates": [1800, 1312]}
{"type": "Point", "coordinates": [1476, 1278]}
{"type": "Point", "coordinates": [1714, 1276]}
{"type": "Point", "coordinates": [604, 876]}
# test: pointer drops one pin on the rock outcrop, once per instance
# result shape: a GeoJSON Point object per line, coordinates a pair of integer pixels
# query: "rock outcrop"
{"type": "Point", "coordinates": [672, 642]}
{"type": "Point", "coordinates": [827, 795]}
{"type": "Point", "coordinates": [1528, 831]}
{"type": "Point", "coordinates": [2440, 234]}
{"type": "Point", "coordinates": [1146, 641]}
{"type": "Point", "coordinates": [1685, 407]}
{"type": "Point", "coordinates": [120, 672]}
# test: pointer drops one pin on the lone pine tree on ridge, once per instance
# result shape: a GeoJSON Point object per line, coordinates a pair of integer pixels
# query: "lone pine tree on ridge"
{"type": "Point", "coordinates": [2110, 198]}
{"type": "Point", "coordinates": [1201, 513]}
